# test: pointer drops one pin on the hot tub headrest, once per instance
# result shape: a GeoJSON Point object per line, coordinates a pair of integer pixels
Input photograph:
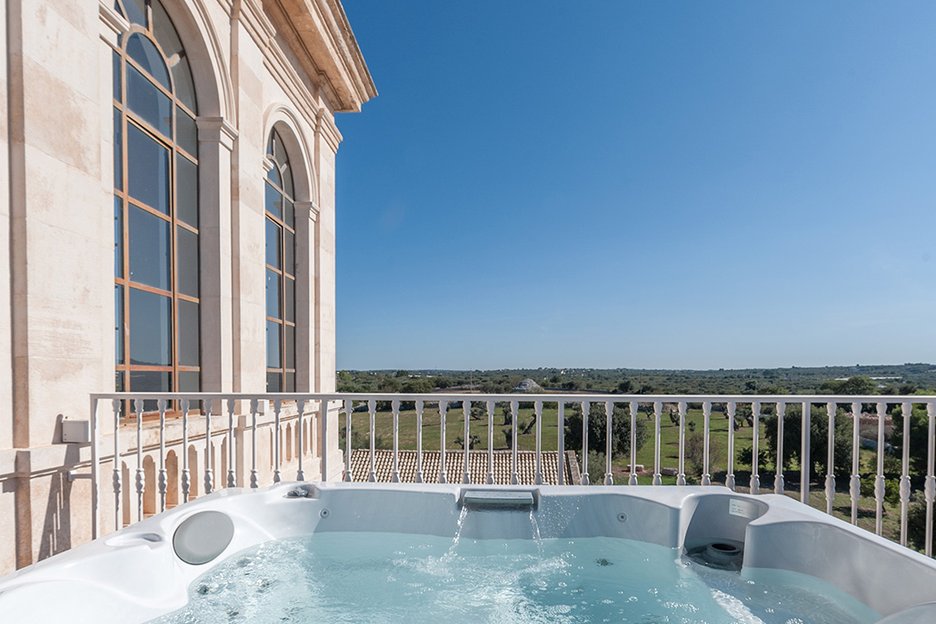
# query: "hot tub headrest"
{"type": "Point", "coordinates": [202, 537]}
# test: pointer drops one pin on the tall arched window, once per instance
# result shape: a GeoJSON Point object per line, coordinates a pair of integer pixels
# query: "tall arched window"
{"type": "Point", "coordinates": [280, 270]}
{"type": "Point", "coordinates": [156, 264]}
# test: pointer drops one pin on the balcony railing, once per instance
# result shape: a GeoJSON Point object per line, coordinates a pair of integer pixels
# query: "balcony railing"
{"type": "Point", "coordinates": [173, 443]}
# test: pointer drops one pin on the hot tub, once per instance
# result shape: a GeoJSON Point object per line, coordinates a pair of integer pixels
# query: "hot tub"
{"type": "Point", "coordinates": [373, 552]}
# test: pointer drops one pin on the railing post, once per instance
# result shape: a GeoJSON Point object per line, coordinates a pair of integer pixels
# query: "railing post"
{"type": "Point", "coordinates": [930, 487]}
{"type": "Point", "coordinates": [116, 479]}
{"type": "Point", "coordinates": [538, 414]}
{"type": "Point", "coordinates": [657, 476]}
{"type": "Point", "coordinates": [254, 408]}
{"type": "Point", "coordinates": [300, 411]}
{"type": "Point", "coordinates": [372, 413]}
{"type": "Point", "coordinates": [609, 438]}
{"type": "Point", "coordinates": [231, 475]}
{"type": "Point", "coordinates": [906, 409]}
{"type": "Point", "coordinates": [323, 441]}
{"type": "Point", "coordinates": [729, 475]}
{"type": "Point", "coordinates": [830, 459]}
{"type": "Point", "coordinates": [489, 479]}
{"type": "Point", "coordinates": [779, 483]}
{"type": "Point", "coordinates": [349, 410]}
{"type": "Point", "coordinates": [755, 447]}
{"type": "Point", "coordinates": [706, 439]}
{"type": "Point", "coordinates": [140, 481]}
{"type": "Point", "coordinates": [879, 478]}
{"type": "Point", "coordinates": [209, 473]}
{"type": "Point", "coordinates": [420, 406]}
{"type": "Point", "coordinates": [466, 413]}
{"type": "Point", "coordinates": [395, 470]}
{"type": "Point", "coordinates": [514, 417]}
{"type": "Point", "coordinates": [681, 472]}
{"type": "Point", "coordinates": [161, 406]}
{"type": "Point", "coordinates": [805, 460]}
{"type": "Point", "coordinates": [560, 434]}
{"type": "Point", "coordinates": [443, 473]}
{"type": "Point", "coordinates": [277, 407]}
{"type": "Point", "coordinates": [95, 470]}
{"type": "Point", "coordinates": [632, 480]}
{"type": "Point", "coordinates": [854, 486]}
{"type": "Point", "coordinates": [586, 408]}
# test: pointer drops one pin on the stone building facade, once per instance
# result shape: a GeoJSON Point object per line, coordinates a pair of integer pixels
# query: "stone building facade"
{"type": "Point", "coordinates": [169, 220]}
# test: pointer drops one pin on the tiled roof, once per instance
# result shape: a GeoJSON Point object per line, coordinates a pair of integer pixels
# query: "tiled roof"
{"type": "Point", "coordinates": [454, 462]}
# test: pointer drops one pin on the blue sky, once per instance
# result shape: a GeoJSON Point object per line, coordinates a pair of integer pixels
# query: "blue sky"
{"type": "Point", "coordinates": [639, 184]}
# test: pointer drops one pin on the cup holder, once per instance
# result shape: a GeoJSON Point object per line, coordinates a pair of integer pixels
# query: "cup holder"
{"type": "Point", "coordinates": [722, 554]}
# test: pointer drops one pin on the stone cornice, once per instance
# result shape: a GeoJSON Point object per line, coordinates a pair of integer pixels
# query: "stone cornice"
{"type": "Point", "coordinates": [320, 35]}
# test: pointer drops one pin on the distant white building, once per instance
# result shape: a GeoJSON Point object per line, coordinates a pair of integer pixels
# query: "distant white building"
{"type": "Point", "coordinates": [168, 220]}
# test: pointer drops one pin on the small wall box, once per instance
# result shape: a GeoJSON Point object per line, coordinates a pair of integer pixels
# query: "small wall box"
{"type": "Point", "coordinates": [76, 431]}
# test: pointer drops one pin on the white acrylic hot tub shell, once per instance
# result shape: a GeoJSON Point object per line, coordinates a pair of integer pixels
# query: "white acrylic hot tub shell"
{"type": "Point", "coordinates": [134, 575]}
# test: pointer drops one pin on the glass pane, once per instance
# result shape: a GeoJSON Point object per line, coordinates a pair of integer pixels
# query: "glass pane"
{"type": "Point", "coordinates": [186, 132]}
{"type": "Point", "coordinates": [273, 294]}
{"type": "Point", "coordinates": [273, 382]}
{"type": "Point", "coordinates": [184, 85]}
{"type": "Point", "coordinates": [273, 239]}
{"type": "Point", "coordinates": [289, 213]}
{"type": "Point", "coordinates": [119, 381]}
{"type": "Point", "coordinates": [288, 181]}
{"type": "Point", "coordinates": [273, 345]}
{"type": "Point", "coordinates": [136, 11]}
{"type": "Point", "coordinates": [164, 31]}
{"type": "Point", "coordinates": [150, 246]}
{"type": "Point", "coordinates": [274, 176]}
{"type": "Point", "coordinates": [142, 50]}
{"type": "Point", "coordinates": [186, 190]}
{"type": "Point", "coordinates": [118, 238]}
{"type": "Point", "coordinates": [118, 325]}
{"type": "Point", "coordinates": [273, 202]}
{"type": "Point", "coordinates": [289, 382]}
{"type": "Point", "coordinates": [289, 346]}
{"type": "Point", "coordinates": [189, 381]}
{"type": "Point", "coordinates": [148, 170]}
{"type": "Point", "coordinates": [187, 262]}
{"type": "Point", "coordinates": [118, 150]}
{"type": "Point", "coordinates": [148, 102]}
{"type": "Point", "coordinates": [116, 77]}
{"type": "Point", "coordinates": [150, 381]}
{"type": "Point", "coordinates": [279, 152]}
{"type": "Point", "coordinates": [188, 333]}
{"type": "Point", "coordinates": [150, 329]}
{"type": "Point", "coordinates": [289, 255]}
{"type": "Point", "coordinates": [290, 299]}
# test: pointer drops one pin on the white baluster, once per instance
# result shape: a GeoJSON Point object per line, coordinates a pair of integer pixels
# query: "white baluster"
{"type": "Point", "coordinates": [609, 438]}
{"type": "Point", "coordinates": [805, 459]}
{"type": "Point", "coordinates": [466, 413]}
{"type": "Point", "coordinates": [420, 406]}
{"type": "Point", "coordinates": [186, 476]}
{"type": "Point", "coordinates": [116, 479]}
{"type": "Point", "coordinates": [489, 479]}
{"type": "Point", "coordinates": [830, 459]}
{"type": "Point", "coordinates": [349, 411]}
{"type": "Point", "coordinates": [140, 481]}
{"type": "Point", "coordinates": [209, 474]}
{"type": "Point", "coordinates": [254, 408]}
{"type": "Point", "coordinates": [443, 473]}
{"type": "Point", "coordinates": [300, 422]}
{"type": "Point", "coordinates": [395, 471]}
{"type": "Point", "coordinates": [632, 480]}
{"type": "Point", "coordinates": [586, 408]}
{"type": "Point", "coordinates": [515, 416]}
{"type": "Point", "coordinates": [161, 479]}
{"type": "Point", "coordinates": [322, 415]}
{"type": "Point", "coordinates": [681, 472]}
{"type": "Point", "coordinates": [657, 410]}
{"type": "Point", "coordinates": [231, 477]}
{"type": "Point", "coordinates": [929, 491]}
{"type": "Point", "coordinates": [779, 483]}
{"type": "Point", "coordinates": [906, 409]}
{"type": "Point", "coordinates": [854, 486]}
{"type": "Point", "coordinates": [560, 434]}
{"type": "Point", "coordinates": [879, 478]}
{"type": "Point", "coordinates": [372, 413]}
{"type": "Point", "coordinates": [755, 447]}
{"type": "Point", "coordinates": [729, 475]}
{"type": "Point", "coordinates": [706, 438]}
{"type": "Point", "coordinates": [538, 414]}
{"type": "Point", "coordinates": [277, 408]}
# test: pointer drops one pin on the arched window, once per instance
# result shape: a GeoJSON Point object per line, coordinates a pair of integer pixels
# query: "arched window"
{"type": "Point", "coordinates": [156, 264]}
{"type": "Point", "coordinates": [280, 270]}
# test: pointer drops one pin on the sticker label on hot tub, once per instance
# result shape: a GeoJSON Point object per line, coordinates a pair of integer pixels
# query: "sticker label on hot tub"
{"type": "Point", "coordinates": [743, 508]}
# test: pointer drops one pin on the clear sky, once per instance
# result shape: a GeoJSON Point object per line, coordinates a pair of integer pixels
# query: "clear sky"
{"type": "Point", "coordinates": [639, 184]}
